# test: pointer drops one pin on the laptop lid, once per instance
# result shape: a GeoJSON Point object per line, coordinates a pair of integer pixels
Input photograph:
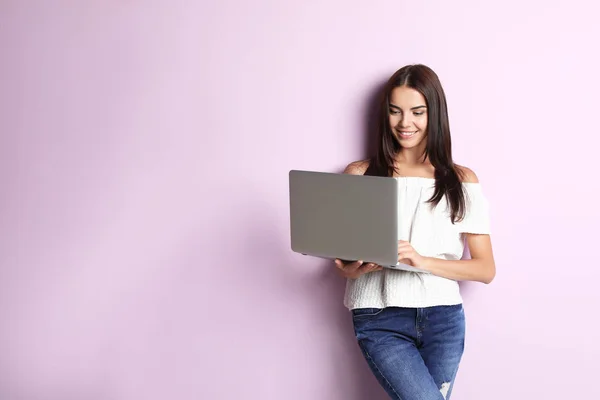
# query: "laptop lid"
{"type": "Point", "coordinates": [351, 217]}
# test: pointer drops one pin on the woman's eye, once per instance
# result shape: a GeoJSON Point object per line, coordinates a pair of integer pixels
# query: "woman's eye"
{"type": "Point", "coordinates": [419, 113]}
{"type": "Point", "coordinates": [394, 112]}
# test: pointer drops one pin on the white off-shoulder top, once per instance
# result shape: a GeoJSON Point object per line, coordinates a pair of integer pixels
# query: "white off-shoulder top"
{"type": "Point", "coordinates": [430, 231]}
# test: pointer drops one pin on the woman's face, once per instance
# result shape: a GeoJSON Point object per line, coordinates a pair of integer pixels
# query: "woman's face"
{"type": "Point", "coordinates": [408, 116]}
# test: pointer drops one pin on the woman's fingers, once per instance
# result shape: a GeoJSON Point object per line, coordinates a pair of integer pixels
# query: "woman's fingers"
{"type": "Point", "coordinates": [404, 246]}
{"type": "Point", "coordinates": [354, 269]}
{"type": "Point", "coordinates": [353, 266]}
{"type": "Point", "coordinates": [349, 267]}
{"type": "Point", "coordinates": [368, 267]}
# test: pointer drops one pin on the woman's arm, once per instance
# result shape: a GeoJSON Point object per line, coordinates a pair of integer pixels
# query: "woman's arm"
{"type": "Point", "coordinates": [481, 267]}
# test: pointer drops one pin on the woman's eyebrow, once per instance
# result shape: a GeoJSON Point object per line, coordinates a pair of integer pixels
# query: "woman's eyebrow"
{"type": "Point", "coordinates": [414, 108]}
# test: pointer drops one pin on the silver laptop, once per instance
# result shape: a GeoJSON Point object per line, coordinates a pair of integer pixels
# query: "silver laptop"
{"type": "Point", "coordinates": [350, 217]}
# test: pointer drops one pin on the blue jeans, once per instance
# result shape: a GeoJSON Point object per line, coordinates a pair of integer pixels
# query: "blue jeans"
{"type": "Point", "coordinates": [413, 352]}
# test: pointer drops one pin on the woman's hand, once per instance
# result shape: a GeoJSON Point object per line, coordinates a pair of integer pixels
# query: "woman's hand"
{"type": "Point", "coordinates": [408, 255]}
{"type": "Point", "coordinates": [354, 269]}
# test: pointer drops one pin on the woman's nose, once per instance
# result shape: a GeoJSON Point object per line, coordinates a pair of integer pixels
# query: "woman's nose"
{"type": "Point", "coordinates": [405, 122]}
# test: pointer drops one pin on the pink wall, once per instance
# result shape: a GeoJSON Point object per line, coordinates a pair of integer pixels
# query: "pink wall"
{"type": "Point", "coordinates": [145, 148]}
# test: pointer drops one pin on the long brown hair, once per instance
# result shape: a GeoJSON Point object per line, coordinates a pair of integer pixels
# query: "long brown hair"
{"type": "Point", "coordinates": [438, 149]}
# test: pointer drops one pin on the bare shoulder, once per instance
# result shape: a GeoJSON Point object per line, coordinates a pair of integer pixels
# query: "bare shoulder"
{"type": "Point", "coordinates": [357, 167]}
{"type": "Point", "coordinates": [467, 175]}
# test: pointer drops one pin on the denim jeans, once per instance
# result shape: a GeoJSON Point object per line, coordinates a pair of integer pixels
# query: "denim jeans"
{"type": "Point", "coordinates": [413, 352]}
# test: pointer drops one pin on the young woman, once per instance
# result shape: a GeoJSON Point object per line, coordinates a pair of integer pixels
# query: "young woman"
{"type": "Point", "coordinates": [410, 326]}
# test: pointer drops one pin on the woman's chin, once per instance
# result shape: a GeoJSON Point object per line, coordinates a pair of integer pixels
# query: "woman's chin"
{"type": "Point", "coordinates": [409, 143]}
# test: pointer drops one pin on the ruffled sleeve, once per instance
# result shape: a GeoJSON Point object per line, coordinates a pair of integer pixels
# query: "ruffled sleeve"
{"type": "Point", "coordinates": [477, 213]}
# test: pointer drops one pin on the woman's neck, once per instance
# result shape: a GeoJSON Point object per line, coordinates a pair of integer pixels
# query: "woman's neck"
{"type": "Point", "coordinates": [411, 157]}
